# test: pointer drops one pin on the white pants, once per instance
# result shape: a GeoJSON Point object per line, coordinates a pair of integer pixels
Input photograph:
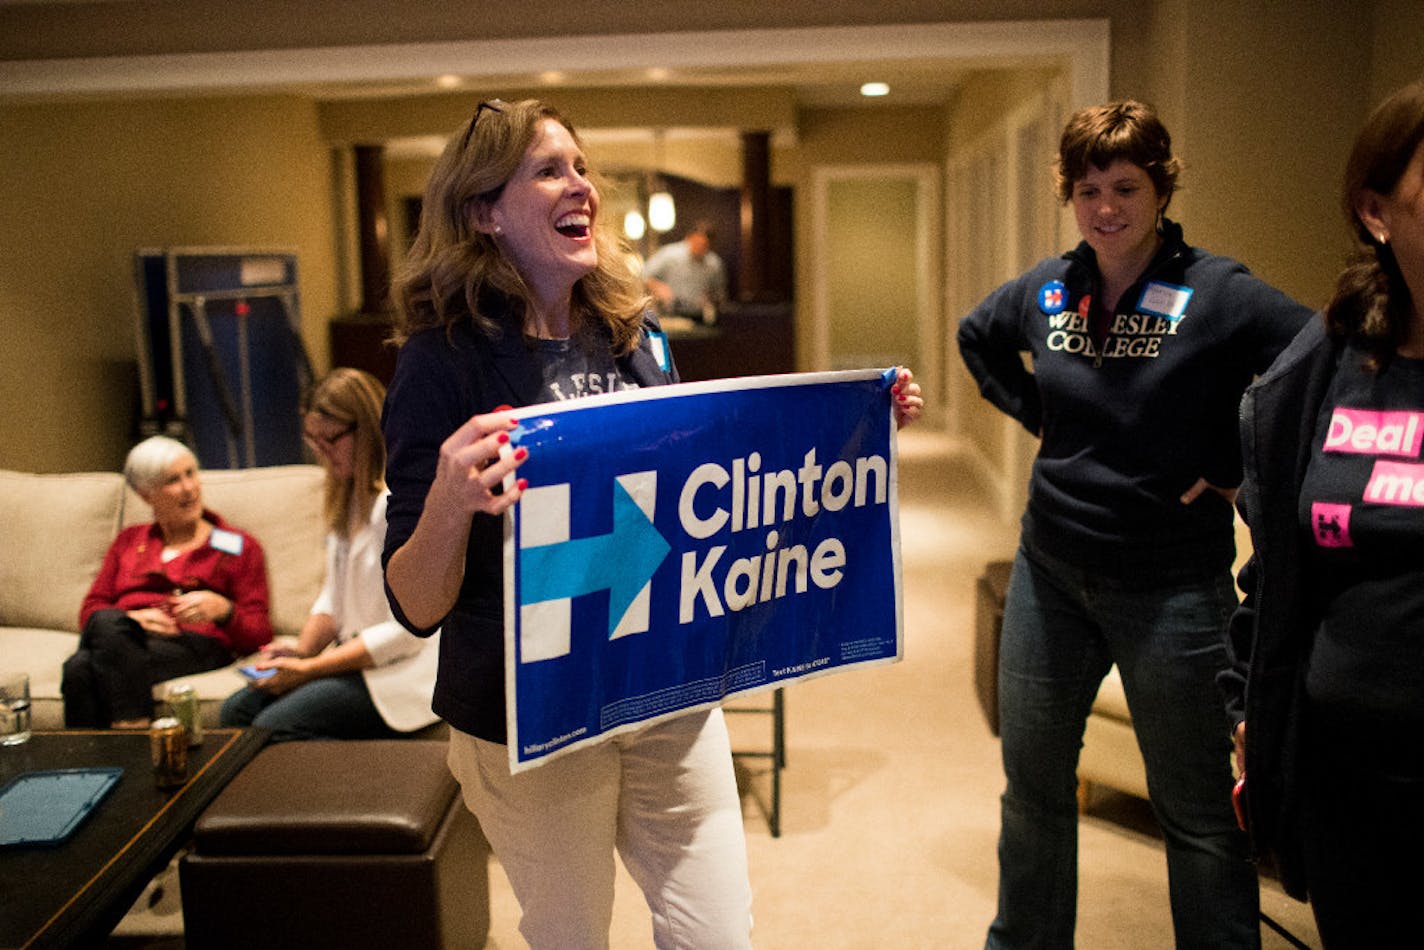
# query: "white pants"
{"type": "Point", "coordinates": [665, 797]}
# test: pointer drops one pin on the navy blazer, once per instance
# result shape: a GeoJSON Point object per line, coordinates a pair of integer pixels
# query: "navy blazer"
{"type": "Point", "coordinates": [1270, 635]}
{"type": "Point", "coordinates": [441, 380]}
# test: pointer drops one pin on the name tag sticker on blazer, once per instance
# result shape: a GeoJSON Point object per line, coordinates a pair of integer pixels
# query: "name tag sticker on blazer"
{"type": "Point", "coordinates": [1164, 300]}
{"type": "Point", "coordinates": [228, 542]}
{"type": "Point", "coordinates": [659, 342]}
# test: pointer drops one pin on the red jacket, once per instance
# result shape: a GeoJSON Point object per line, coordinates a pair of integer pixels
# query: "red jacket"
{"type": "Point", "coordinates": [134, 576]}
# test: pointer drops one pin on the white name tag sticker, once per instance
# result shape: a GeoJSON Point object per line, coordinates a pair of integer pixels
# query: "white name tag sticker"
{"type": "Point", "coordinates": [1164, 300]}
{"type": "Point", "coordinates": [660, 350]}
{"type": "Point", "coordinates": [228, 542]}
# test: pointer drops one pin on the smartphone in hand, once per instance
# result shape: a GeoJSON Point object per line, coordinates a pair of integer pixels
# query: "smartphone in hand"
{"type": "Point", "coordinates": [254, 674]}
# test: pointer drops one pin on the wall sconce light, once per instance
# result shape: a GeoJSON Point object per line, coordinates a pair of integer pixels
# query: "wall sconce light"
{"type": "Point", "coordinates": [634, 226]}
{"type": "Point", "coordinates": [662, 215]}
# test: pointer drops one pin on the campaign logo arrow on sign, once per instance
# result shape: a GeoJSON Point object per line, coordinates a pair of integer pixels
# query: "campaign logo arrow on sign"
{"type": "Point", "coordinates": [622, 561]}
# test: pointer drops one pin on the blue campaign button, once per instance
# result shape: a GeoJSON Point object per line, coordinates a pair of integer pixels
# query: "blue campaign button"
{"type": "Point", "coordinates": [1052, 297]}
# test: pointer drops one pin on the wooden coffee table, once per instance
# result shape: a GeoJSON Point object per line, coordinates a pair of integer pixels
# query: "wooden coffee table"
{"type": "Point", "coordinates": [74, 893]}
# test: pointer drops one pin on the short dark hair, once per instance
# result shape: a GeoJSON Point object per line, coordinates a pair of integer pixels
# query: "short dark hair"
{"type": "Point", "coordinates": [702, 227]}
{"type": "Point", "coordinates": [1126, 129]}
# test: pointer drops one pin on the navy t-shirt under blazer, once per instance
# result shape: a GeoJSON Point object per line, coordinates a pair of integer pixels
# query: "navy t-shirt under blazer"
{"type": "Point", "coordinates": [1362, 508]}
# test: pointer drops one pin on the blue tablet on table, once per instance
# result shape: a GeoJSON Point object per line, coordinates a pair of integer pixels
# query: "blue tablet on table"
{"type": "Point", "coordinates": [45, 808]}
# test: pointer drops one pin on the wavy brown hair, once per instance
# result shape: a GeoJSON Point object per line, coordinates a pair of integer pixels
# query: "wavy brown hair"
{"type": "Point", "coordinates": [352, 398]}
{"type": "Point", "coordinates": [454, 272]}
{"type": "Point", "coordinates": [1126, 129]}
{"type": "Point", "coordinates": [1372, 302]}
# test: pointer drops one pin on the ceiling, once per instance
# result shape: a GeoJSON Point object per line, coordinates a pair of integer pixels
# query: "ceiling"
{"type": "Point", "coordinates": [817, 67]}
{"type": "Point", "coordinates": [825, 66]}
{"type": "Point", "coordinates": [813, 84]}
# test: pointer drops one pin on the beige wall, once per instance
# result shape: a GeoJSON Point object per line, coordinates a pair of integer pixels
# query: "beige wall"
{"type": "Point", "coordinates": [872, 294]}
{"type": "Point", "coordinates": [988, 94]}
{"type": "Point", "coordinates": [841, 138]}
{"type": "Point", "coordinates": [1269, 111]}
{"type": "Point", "coordinates": [1003, 449]}
{"type": "Point", "coordinates": [1397, 57]}
{"type": "Point", "coordinates": [84, 186]}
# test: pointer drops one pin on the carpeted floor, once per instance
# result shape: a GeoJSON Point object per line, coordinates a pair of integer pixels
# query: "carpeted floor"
{"type": "Point", "coordinates": [890, 795]}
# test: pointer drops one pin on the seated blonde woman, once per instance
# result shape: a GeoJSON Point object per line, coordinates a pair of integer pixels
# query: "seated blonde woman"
{"type": "Point", "coordinates": [355, 673]}
{"type": "Point", "coordinates": [183, 594]}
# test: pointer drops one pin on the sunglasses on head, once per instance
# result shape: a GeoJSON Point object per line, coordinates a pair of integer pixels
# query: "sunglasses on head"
{"type": "Point", "coordinates": [493, 105]}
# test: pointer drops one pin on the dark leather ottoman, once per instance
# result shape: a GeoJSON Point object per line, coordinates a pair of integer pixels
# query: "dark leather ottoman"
{"type": "Point", "coordinates": [338, 844]}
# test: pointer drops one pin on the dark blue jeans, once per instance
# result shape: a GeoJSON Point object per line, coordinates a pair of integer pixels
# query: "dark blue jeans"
{"type": "Point", "coordinates": [1063, 629]}
{"type": "Point", "coordinates": [333, 707]}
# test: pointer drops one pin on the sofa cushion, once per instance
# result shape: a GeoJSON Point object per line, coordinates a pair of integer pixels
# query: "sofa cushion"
{"type": "Point", "coordinates": [54, 530]}
{"type": "Point", "coordinates": [280, 506]}
{"type": "Point", "coordinates": [40, 653]}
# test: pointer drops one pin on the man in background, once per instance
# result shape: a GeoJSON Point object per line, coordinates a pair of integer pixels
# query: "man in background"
{"type": "Point", "coordinates": [687, 278]}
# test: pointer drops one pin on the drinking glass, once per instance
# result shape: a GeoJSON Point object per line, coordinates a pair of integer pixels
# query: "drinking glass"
{"type": "Point", "coordinates": [14, 708]}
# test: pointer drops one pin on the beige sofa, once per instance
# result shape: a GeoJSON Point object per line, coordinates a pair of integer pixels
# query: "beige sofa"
{"type": "Point", "coordinates": [1110, 756]}
{"type": "Point", "coordinates": [54, 530]}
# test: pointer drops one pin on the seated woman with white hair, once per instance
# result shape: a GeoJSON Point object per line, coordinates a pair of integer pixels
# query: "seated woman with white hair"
{"type": "Point", "coordinates": [183, 594]}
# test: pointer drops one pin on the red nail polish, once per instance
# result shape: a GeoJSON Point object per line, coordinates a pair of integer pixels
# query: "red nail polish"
{"type": "Point", "coordinates": [502, 438]}
{"type": "Point", "coordinates": [522, 484]}
{"type": "Point", "coordinates": [521, 454]}
{"type": "Point", "coordinates": [894, 389]}
{"type": "Point", "coordinates": [505, 408]}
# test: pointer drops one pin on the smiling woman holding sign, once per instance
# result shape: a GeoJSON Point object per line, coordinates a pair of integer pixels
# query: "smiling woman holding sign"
{"type": "Point", "coordinates": [1141, 346]}
{"type": "Point", "coordinates": [513, 295]}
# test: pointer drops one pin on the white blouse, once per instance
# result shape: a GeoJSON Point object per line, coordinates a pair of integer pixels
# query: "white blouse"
{"type": "Point", "coordinates": [354, 595]}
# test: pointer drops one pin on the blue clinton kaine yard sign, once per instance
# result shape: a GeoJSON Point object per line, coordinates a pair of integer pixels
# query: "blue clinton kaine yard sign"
{"type": "Point", "coordinates": [682, 544]}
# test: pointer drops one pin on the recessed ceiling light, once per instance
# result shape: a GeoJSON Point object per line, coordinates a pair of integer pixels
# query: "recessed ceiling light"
{"type": "Point", "coordinates": [658, 73]}
{"type": "Point", "coordinates": [447, 81]}
{"type": "Point", "coordinates": [551, 77]}
{"type": "Point", "coordinates": [875, 89]}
